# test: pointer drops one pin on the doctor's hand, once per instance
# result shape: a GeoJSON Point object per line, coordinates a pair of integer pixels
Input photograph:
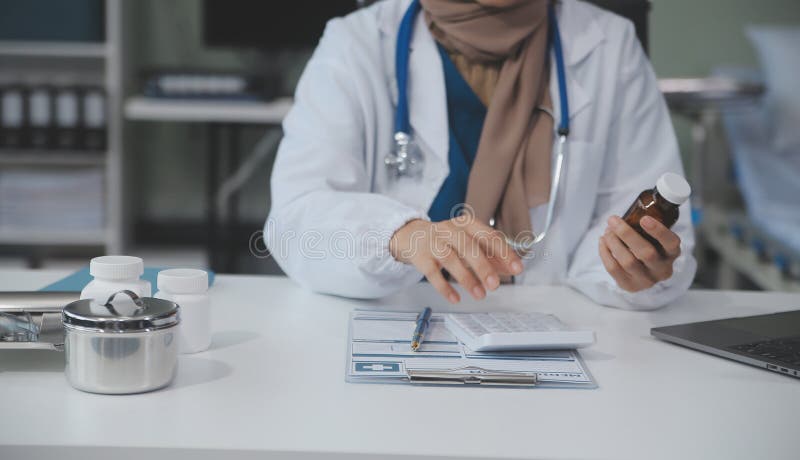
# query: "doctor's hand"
{"type": "Point", "coordinates": [635, 263]}
{"type": "Point", "coordinates": [474, 254]}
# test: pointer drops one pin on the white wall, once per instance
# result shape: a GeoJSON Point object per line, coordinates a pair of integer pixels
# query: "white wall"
{"type": "Point", "coordinates": [691, 37]}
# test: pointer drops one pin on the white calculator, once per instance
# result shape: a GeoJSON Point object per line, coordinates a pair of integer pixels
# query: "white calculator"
{"type": "Point", "coordinates": [515, 331]}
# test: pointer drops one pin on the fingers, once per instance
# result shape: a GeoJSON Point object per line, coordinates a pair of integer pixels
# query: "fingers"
{"type": "Point", "coordinates": [493, 243]}
{"type": "Point", "coordinates": [614, 268]}
{"type": "Point", "coordinates": [639, 276]}
{"type": "Point", "coordinates": [472, 254]}
{"type": "Point", "coordinates": [640, 247]}
{"type": "Point", "coordinates": [463, 275]}
{"type": "Point", "coordinates": [658, 261]}
{"type": "Point", "coordinates": [433, 273]}
{"type": "Point", "coordinates": [670, 241]}
{"type": "Point", "coordinates": [642, 261]}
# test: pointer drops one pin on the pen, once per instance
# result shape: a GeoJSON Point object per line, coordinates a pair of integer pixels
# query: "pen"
{"type": "Point", "coordinates": [423, 321]}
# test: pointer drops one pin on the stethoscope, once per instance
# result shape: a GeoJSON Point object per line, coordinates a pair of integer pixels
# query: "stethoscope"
{"type": "Point", "coordinates": [406, 159]}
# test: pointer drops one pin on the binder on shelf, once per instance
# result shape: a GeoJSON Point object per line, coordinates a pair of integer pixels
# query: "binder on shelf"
{"type": "Point", "coordinates": [12, 117]}
{"type": "Point", "coordinates": [67, 118]}
{"type": "Point", "coordinates": [40, 117]}
{"type": "Point", "coordinates": [95, 118]}
{"type": "Point", "coordinates": [53, 115]}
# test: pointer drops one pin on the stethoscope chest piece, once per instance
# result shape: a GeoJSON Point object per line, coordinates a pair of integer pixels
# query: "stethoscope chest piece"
{"type": "Point", "coordinates": [406, 160]}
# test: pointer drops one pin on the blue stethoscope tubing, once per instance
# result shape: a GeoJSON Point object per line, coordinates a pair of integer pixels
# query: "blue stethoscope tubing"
{"type": "Point", "coordinates": [401, 119]}
{"type": "Point", "coordinates": [403, 125]}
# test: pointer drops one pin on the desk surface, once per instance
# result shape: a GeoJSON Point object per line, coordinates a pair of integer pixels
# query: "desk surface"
{"type": "Point", "coordinates": [265, 388]}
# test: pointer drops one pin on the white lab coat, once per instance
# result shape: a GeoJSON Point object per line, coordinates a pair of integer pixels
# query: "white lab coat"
{"type": "Point", "coordinates": [334, 208]}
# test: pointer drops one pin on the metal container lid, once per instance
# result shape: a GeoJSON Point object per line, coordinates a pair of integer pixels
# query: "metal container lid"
{"type": "Point", "coordinates": [137, 314]}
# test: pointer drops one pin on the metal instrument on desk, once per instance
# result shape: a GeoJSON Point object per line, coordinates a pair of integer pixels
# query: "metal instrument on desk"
{"type": "Point", "coordinates": [115, 347]}
{"type": "Point", "coordinates": [32, 320]}
{"type": "Point", "coordinates": [121, 346]}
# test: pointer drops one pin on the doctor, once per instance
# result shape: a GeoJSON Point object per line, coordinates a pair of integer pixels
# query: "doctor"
{"type": "Point", "coordinates": [487, 91]}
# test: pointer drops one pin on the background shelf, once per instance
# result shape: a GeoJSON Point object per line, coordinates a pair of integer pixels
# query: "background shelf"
{"type": "Point", "coordinates": [23, 237]}
{"type": "Point", "coordinates": [76, 158]}
{"type": "Point", "coordinates": [92, 50]}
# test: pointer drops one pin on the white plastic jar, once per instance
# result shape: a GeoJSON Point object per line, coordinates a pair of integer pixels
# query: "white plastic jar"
{"type": "Point", "coordinates": [115, 273]}
{"type": "Point", "coordinates": [189, 289]}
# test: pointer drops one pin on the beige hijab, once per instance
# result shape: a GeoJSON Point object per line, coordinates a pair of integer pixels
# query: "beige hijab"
{"type": "Point", "coordinates": [511, 171]}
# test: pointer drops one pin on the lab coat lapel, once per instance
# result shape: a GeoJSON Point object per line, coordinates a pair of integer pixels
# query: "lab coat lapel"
{"type": "Point", "coordinates": [580, 35]}
{"type": "Point", "coordinates": [427, 96]}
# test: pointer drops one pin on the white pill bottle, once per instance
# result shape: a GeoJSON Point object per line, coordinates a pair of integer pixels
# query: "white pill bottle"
{"type": "Point", "coordinates": [115, 273]}
{"type": "Point", "coordinates": [189, 289]}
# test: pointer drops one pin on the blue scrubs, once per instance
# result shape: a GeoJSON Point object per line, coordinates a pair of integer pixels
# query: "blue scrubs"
{"type": "Point", "coordinates": [466, 114]}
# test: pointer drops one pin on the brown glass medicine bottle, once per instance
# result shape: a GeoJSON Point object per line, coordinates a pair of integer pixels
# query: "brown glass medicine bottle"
{"type": "Point", "coordinates": [661, 203]}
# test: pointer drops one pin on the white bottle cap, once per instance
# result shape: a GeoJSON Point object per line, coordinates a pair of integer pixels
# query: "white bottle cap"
{"type": "Point", "coordinates": [183, 281]}
{"type": "Point", "coordinates": [673, 188]}
{"type": "Point", "coordinates": [116, 267]}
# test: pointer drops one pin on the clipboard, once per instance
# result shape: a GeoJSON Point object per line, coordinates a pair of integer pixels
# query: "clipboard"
{"type": "Point", "coordinates": [379, 351]}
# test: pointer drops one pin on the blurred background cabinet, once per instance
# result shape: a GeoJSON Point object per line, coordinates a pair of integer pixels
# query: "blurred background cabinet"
{"type": "Point", "coordinates": [61, 165]}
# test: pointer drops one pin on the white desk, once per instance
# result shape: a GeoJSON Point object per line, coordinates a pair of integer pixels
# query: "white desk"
{"type": "Point", "coordinates": [272, 386]}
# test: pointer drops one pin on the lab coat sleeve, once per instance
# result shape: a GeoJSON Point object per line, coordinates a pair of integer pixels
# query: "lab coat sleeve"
{"type": "Point", "coordinates": [325, 229]}
{"type": "Point", "coordinates": [641, 147]}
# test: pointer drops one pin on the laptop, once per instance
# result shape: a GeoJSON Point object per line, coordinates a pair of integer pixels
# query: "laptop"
{"type": "Point", "coordinates": [767, 341]}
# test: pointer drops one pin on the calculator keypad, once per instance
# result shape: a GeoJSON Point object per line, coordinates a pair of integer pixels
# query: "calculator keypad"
{"type": "Point", "coordinates": [478, 324]}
